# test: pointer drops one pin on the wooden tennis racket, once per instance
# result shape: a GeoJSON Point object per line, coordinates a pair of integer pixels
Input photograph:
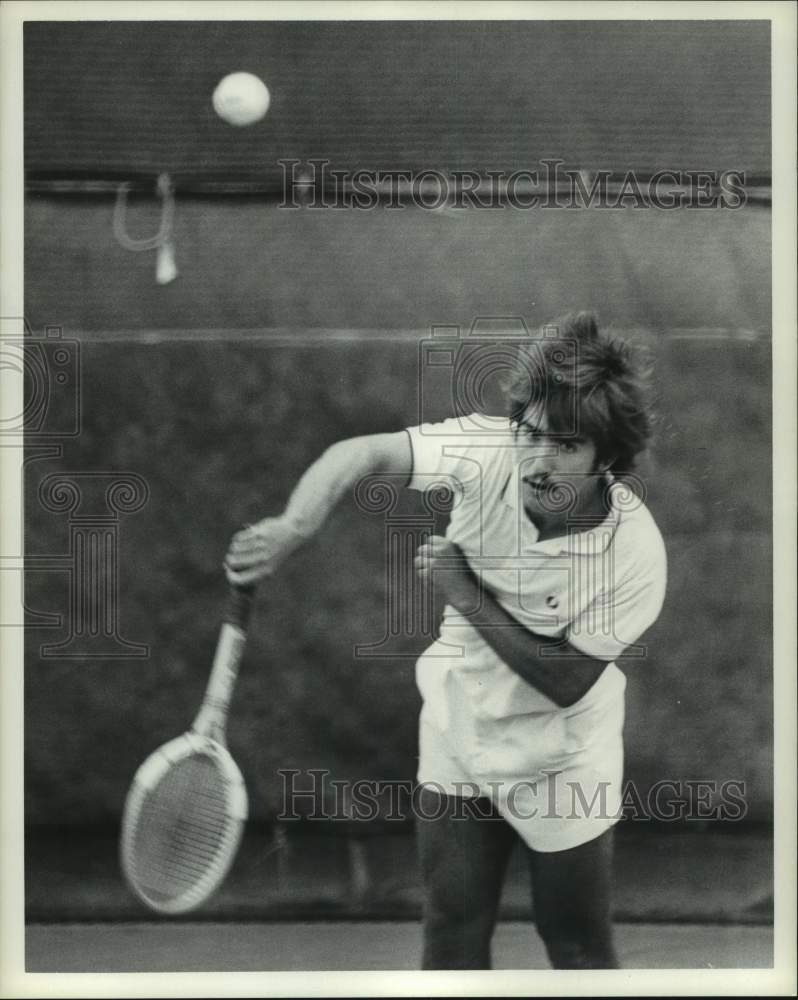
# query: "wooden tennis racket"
{"type": "Point", "coordinates": [186, 808]}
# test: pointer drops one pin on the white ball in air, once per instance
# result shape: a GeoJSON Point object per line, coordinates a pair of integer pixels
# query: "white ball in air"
{"type": "Point", "coordinates": [241, 99]}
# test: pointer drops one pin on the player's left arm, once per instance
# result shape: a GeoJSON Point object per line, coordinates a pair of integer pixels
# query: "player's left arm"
{"type": "Point", "coordinates": [564, 676]}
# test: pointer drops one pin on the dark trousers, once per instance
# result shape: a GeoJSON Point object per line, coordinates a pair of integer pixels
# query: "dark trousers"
{"type": "Point", "coordinates": [464, 852]}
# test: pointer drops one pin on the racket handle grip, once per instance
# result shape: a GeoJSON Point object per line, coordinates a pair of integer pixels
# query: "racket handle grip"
{"type": "Point", "coordinates": [239, 605]}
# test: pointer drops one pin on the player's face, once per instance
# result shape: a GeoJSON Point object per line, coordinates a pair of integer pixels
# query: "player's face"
{"type": "Point", "coordinates": [558, 472]}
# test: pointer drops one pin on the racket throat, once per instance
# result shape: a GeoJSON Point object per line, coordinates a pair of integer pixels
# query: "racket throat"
{"type": "Point", "coordinates": [211, 723]}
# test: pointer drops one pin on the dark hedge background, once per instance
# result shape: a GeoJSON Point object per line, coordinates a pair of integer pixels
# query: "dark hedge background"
{"type": "Point", "coordinates": [287, 330]}
{"type": "Point", "coordinates": [220, 429]}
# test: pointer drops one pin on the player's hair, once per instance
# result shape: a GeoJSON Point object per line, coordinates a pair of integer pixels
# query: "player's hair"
{"type": "Point", "coordinates": [590, 385]}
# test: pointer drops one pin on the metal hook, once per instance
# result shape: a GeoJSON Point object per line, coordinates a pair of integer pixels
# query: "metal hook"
{"type": "Point", "coordinates": [166, 269]}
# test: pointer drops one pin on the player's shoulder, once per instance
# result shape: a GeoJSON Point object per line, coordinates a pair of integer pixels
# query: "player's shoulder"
{"type": "Point", "coordinates": [638, 540]}
{"type": "Point", "coordinates": [476, 427]}
{"type": "Point", "coordinates": [475, 435]}
{"type": "Point", "coordinates": [468, 447]}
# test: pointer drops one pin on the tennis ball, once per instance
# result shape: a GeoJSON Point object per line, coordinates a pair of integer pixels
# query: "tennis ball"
{"type": "Point", "coordinates": [241, 99]}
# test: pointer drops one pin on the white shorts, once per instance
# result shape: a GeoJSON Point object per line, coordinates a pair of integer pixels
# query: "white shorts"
{"type": "Point", "coordinates": [555, 776]}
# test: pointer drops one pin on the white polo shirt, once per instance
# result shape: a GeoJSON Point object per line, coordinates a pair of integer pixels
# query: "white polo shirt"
{"type": "Point", "coordinates": [601, 588]}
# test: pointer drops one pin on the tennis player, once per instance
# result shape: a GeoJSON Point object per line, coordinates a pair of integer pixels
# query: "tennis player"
{"type": "Point", "coordinates": [551, 567]}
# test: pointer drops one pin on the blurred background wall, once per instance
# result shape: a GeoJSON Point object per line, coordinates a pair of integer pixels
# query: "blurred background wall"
{"type": "Point", "coordinates": [288, 329]}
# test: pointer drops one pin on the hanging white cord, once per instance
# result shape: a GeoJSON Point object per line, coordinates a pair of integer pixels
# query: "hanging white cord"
{"type": "Point", "coordinates": [165, 267]}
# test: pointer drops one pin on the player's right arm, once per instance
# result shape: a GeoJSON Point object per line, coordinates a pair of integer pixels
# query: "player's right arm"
{"type": "Point", "coordinates": [258, 550]}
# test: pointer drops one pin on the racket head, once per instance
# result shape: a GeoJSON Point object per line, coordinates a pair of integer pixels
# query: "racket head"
{"type": "Point", "coordinates": [182, 823]}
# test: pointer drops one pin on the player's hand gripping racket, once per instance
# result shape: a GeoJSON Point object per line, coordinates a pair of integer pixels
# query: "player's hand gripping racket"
{"type": "Point", "coordinates": [185, 811]}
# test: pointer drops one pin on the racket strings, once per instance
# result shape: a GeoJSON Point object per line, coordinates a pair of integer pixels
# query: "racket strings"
{"type": "Point", "coordinates": [182, 830]}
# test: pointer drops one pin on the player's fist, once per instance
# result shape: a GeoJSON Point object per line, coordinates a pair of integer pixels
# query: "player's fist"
{"type": "Point", "coordinates": [441, 562]}
{"type": "Point", "coordinates": [257, 550]}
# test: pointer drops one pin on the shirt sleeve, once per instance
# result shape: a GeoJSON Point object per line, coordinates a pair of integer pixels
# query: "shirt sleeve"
{"type": "Point", "coordinates": [618, 617]}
